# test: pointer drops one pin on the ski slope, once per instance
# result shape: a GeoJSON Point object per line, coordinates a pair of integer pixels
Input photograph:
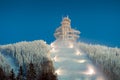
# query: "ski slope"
{"type": "Point", "coordinates": [72, 64]}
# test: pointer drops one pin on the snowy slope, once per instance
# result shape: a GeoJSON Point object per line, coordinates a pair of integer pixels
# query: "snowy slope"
{"type": "Point", "coordinates": [73, 64]}
{"type": "Point", "coordinates": [13, 55]}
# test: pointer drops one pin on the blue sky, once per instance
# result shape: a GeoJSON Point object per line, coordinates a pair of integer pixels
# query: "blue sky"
{"type": "Point", "coordinates": [98, 20]}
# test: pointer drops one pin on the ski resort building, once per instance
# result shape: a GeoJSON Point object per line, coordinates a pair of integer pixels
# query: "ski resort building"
{"type": "Point", "coordinates": [65, 32]}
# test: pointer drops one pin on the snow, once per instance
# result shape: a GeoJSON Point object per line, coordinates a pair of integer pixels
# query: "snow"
{"type": "Point", "coordinates": [72, 61]}
{"type": "Point", "coordinates": [72, 64]}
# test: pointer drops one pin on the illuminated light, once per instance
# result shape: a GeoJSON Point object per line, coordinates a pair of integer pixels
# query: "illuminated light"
{"type": "Point", "coordinates": [90, 71]}
{"type": "Point", "coordinates": [77, 52]}
{"type": "Point", "coordinates": [70, 45]}
{"type": "Point", "coordinates": [81, 61]}
{"type": "Point", "coordinates": [59, 71]}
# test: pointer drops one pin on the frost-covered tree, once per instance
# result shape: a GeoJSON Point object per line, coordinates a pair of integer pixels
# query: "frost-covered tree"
{"type": "Point", "coordinates": [22, 53]}
{"type": "Point", "coordinates": [106, 58]}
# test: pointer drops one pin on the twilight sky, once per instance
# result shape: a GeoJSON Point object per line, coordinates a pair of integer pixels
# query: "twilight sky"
{"type": "Point", "coordinates": [98, 20]}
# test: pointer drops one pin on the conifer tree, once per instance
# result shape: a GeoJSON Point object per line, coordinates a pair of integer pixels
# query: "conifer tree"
{"type": "Point", "coordinates": [31, 73]}
{"type": "Point", "coordinates": [2, 74]}
{"type": "Point", "coordinates": [12, 75]}
{"type": "Point", "coordinates": [20, 74]}
{"type": "Point", "coordinates": [47, 72]}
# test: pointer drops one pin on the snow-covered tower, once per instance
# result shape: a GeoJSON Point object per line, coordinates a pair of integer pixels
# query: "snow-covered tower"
{"type": "Point", "coordinates": [65, 32]}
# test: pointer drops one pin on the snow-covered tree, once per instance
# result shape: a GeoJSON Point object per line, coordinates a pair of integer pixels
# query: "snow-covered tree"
{"type": "Point", "coordinates": [107, 58]}
{"type": "Point", "coordinates": [22, 53]}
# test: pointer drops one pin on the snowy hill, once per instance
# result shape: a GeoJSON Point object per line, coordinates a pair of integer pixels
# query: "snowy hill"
{"type": "Point", "coordinates": [106, 58]}
{"type": "Point", "coordinates": [14, 55]}
{"type": "Point", "coordinates": [71, 61]}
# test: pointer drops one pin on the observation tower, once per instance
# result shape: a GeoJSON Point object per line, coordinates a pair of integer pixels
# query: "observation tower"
{"type": "Point", "coordinates": [65, 32]}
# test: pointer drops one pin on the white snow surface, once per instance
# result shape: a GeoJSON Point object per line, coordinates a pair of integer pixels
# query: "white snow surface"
{"type": "Point", "coordinates": [71, 63]}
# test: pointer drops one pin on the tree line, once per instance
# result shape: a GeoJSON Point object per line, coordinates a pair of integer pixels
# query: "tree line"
{"type": "Point", "coordinates": [47, 73]}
